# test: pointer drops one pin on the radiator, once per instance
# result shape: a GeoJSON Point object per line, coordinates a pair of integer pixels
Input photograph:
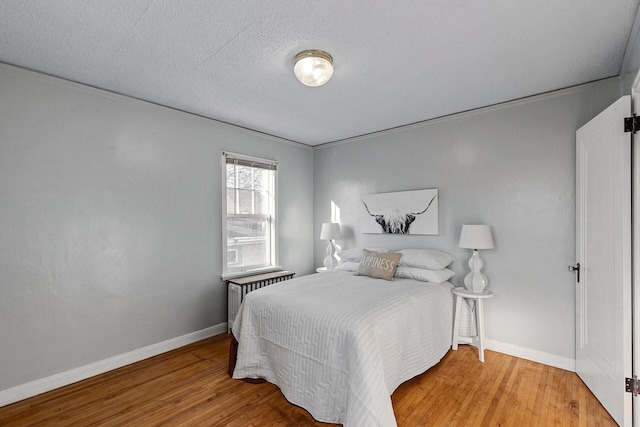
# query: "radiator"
{"type": "Point", "coordinates": [240, 287]}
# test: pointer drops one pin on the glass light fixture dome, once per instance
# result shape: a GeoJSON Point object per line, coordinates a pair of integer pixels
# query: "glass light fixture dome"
{"type": "Point", "coordinates": [313, 67]}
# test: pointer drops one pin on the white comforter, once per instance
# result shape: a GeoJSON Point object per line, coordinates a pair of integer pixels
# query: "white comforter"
{"type": "Point", "coordinates": [338, 345]}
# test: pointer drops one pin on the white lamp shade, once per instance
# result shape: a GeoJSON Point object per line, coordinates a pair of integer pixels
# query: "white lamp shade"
{"type": "Point", "coordinates": [476, 237]}
{"type": "Point", "coordinates": [330, 231]}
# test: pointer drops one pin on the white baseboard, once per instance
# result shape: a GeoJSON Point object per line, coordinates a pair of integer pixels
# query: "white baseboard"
{"type": "Point", "coordinates": [36, 387]}
{"type": "Point", "coordinates": [533, 355]}
{"type": "Point", "coordinates": [33, 388]}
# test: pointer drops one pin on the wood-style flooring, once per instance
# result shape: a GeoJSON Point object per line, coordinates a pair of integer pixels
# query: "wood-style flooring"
{"type": "Point", "coordinates": [190, 387]}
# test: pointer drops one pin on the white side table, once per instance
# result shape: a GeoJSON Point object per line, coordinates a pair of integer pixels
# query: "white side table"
{"type": "Point", "coordinates": [478, 340]}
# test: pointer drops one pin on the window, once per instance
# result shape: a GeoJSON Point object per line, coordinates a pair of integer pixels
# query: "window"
{"type": "Point", "coordinates": [248, 215]}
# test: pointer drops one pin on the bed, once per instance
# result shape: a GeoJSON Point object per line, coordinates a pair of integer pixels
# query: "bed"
{"type": "Point", "coordinates": [338, 344]}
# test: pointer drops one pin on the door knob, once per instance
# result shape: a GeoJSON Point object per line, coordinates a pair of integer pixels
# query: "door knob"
{"type": "Point", "coordinates": [576, 269]}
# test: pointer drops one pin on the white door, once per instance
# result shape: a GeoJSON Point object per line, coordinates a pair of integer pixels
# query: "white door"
{"type": "Point", "coordinates": [603, 249]}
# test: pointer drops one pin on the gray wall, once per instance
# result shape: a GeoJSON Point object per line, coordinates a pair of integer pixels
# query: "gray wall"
{"type": "Point", "coordinates": [110, 222]}
{"type": "Point", "coordinates": [510, 166]}
{"type": "Point", "coordinates": [110, 214]}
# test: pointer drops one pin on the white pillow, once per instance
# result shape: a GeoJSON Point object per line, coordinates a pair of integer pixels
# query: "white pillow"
{"type": "Point", "coordinates": [424, 274]}
{"type": "Point", "coordinates": [347, 266]}
{"type": "Point", "coordinates": [425, 258]}
{"type": "Point", "coordinates": [355, 254]}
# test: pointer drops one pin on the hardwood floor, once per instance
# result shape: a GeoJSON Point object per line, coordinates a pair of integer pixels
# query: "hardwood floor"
{"type": "Point", "coordinates": [190, 387]}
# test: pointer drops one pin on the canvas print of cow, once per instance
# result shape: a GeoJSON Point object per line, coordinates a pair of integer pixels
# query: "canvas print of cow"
{"type": "Point", "coordinates": [402, 212]}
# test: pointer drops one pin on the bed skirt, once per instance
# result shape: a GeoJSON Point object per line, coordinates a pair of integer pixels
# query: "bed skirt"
{"type": "Point", "coordinates": [233, 355]}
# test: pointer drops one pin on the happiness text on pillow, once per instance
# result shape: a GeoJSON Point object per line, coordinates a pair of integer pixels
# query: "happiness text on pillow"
{"type": "Point", "coordinates": [381, 263]}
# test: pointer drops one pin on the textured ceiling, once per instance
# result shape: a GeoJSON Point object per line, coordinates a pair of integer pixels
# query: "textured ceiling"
{"type": "Point", "coordinates": [232, 60]}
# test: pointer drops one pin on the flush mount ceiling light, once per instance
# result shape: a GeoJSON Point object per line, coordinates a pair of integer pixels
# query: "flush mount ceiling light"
{"type": "Point", "coordinates": [313, 67]}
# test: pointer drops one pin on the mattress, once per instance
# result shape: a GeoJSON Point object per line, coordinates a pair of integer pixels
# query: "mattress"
{"type": "Point", "coordinates": [338, 345]}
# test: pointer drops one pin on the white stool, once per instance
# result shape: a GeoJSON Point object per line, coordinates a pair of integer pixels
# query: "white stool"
{"type": "Point", "coordinates": [478, 340]}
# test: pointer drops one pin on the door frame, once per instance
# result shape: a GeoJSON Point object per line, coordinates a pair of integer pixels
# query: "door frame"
{"type": "Point", "coordinates": [635, 249]}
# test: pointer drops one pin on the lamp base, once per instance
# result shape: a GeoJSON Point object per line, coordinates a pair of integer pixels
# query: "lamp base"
{"type": "Point", "coordinates": [475, 281]}
{"type": "Point", "coordinates": [330, 261]}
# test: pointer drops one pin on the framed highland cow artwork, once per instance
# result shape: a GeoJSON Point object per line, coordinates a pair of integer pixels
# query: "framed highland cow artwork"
{"type": "Point", "coordinates": [402, 212]}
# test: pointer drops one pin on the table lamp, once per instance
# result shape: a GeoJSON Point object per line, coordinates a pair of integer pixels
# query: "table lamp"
{"type": "Point", "coordinates": [330, 231]}
{"type": "Point", "coordinates": [476, 237]}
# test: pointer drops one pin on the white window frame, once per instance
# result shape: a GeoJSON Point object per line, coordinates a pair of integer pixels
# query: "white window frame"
{"type": "Point", "coordinates": [274, 258]}
{"type": "Point", "coordinates": [236, 254]}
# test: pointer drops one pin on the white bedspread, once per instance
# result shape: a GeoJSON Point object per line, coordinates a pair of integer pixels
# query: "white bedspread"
{"type": "Point", "coordinates": [339, 345]}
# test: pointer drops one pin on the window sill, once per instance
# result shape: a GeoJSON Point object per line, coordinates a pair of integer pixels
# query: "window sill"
{"type": "Point", "coordinates": [237, 274]}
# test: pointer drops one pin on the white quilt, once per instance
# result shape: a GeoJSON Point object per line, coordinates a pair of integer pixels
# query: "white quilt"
{"type": "Point", "coordinates": [339, 345]}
